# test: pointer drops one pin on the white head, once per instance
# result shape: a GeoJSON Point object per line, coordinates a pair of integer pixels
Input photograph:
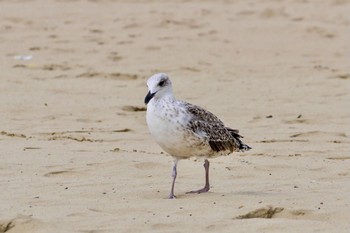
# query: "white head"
{"type": "Point", "coordinates": [159, 85]}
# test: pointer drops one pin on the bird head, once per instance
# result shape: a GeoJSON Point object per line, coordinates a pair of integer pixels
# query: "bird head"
{"type": "Point", "coordinates": [159, 85]}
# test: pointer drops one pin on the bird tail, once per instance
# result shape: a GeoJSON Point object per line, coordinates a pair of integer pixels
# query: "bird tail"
{"type": "Point", "coordinates": [243, 147]}
{"type": "Point", "coordinates": [237, 137]}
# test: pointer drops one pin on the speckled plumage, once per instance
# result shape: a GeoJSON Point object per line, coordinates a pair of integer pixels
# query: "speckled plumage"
{"type": "Point", "coordinates": [219, 137]}
{"type": "Point", "coordinates": [184, 130]}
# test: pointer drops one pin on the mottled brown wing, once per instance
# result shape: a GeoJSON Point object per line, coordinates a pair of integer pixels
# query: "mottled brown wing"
{"type": "Point", "coordinates": [201, 114]}
{"type": "Point", "coordinates": [217, 135]}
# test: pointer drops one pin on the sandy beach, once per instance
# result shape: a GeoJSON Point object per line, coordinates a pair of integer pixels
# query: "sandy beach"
{"type": "Point", "coordinates": [76, 154]}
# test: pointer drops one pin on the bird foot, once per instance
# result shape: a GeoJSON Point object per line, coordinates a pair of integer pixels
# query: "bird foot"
{"type": "Point", "coordinates": [203, 190]}
{"type": "Point", "coordinates": [172, 196]}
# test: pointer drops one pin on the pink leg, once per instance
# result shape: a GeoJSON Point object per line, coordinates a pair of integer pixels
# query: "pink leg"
{"type": "Point", "coordinates": [207, 186]}
{"type": "Point", "coordinates": [174, 174]}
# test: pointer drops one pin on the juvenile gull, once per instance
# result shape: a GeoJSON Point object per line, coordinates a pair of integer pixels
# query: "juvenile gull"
{"type": "Point", "coordinates": [184, 130]}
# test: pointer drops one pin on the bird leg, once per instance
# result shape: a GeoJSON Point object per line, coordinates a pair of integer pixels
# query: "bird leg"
{"type": "Point", "coordinates": [207, 186]}
{"type": "Point", "coordinates": [174, 174]}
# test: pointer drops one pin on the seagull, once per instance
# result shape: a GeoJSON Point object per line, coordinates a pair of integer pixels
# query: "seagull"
{"type": "Point", "coordinates": [184, 130]}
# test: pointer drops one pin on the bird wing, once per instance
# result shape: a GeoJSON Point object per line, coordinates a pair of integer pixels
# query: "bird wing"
{"type": "Point", "coordinates": [219, 137]}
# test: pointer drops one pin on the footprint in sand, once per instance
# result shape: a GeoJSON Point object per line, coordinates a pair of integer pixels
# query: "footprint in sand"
{"type": "Point", "coordinates": [74, 138]}
{"type": "Point", "coordinates": [63, 173]}
{"type": "Point", "coordinates": [114, 56]}
{"type": "Point", "coordinates": [267, 212]}
{"type": "Point", "coordinates": [18, 135]}
{"type": "Point", "coordinates": [129, 108]}
{"type": "Point", "coordinates": [118, 76]}
{"type": "Point", "coordinates": [321, 32]}
{"type": "Point", "coordinates": [312, 134]}
{"type": "Point", "coordinates": [21, 224]}
{"type": "Point", "coordinates": [46, 67]}
{"type": "Point", "coordinates": [269, 13]}
{"type": "Point", "coordinates": [280, 212]}
{"type": "Point", "coordinates": [342, 76]}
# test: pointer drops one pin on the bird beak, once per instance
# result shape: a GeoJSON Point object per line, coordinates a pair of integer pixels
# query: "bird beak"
{"type": "Point", "coordinates": [149, 96]}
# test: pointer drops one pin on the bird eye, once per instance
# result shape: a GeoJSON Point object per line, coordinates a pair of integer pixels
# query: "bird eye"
{"type": "Point", "coordinates": [161, 83]}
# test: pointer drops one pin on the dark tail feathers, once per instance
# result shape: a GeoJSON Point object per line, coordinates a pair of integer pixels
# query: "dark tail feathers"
{"type": "Point", "coordinates": [235, 135]}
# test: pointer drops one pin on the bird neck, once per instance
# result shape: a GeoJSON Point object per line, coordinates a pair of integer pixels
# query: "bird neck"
{"type": "Point", "coordinates": [168, 96]}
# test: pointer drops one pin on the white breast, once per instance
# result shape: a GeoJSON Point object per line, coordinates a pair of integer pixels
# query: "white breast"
{"type": "Point", "coordinates": [168, 126]}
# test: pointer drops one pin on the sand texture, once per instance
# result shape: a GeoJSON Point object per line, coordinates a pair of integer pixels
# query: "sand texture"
{"type": "Point", "coordinates": [76, 154]}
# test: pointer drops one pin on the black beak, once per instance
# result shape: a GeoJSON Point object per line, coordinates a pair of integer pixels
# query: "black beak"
{"type": "Point", "coordinates": [149, 96]}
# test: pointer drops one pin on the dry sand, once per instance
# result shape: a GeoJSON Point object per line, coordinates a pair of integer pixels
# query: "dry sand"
{"type": "Point", "coordinates": [76, 155]}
